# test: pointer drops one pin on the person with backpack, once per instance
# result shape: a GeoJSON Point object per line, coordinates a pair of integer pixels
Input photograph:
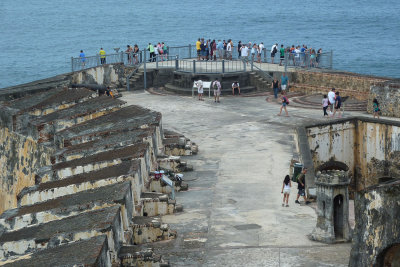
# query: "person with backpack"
{"type": "Point", "coordinates": [301, 186]}
{"type": "Point", "coordinates": [285, 102]}
{"type": "Point", "coordinates": [216, 85]}
{"type": "Point", "coordinates": [287, 184]}
{"type": "Point", "coordinates": [274, 50]}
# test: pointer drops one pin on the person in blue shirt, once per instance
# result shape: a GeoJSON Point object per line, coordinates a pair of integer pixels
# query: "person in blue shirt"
{"type": "Point", "coordinates": [284, 82]}
{"type": "Point", "coordinates": [303, 54]}
{"type": "Point", "coordinates": [83, 58]}
{"type": "Point", "coordinates": [220, 48]}
{"type": "Point", "coordinates": [338, 105]}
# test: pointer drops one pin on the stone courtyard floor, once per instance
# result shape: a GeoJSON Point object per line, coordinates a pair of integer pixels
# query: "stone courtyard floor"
{"type": "Point", "coordinates": [232, 212]}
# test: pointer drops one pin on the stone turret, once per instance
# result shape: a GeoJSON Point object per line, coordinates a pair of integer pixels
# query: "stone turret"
{"type": "Point", "coordinates": [333, 207]}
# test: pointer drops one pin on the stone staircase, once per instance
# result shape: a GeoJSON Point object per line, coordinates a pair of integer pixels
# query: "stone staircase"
{"type": "Point", "coordinates": [98, 200]}
{"type": "Point", "coordinates": [260, 81]}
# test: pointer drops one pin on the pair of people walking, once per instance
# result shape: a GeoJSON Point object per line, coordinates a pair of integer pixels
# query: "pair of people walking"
{"type": "Point", "coordinates": [301, 185]}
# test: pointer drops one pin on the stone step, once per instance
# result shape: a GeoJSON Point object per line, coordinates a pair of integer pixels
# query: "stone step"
{"type": "Point", "coordinates": [156, 185]}
{"type": "Point", "coordinates": [79, 227]}
{"type": "Point", "coordinates": [71, 205]}
{"type": "Point", "coordinates": [188, 91]}
{"type": "Point", "coordinates": [92, 252]}
{"type": "Point", "coordinates": [125, 119]}
{"type": "Point", "coordinates": [179, 146]}
{"type": "Point", "coordinates": [150, 229]}
{"type": "Point", "coordinates": [44, 127]}
{"type": "Point", "coordinates": [110, 142]}
{"type": "Point", "coordinates": [173, 163]}
{"type": "Point", "coordinates": [138, 256]}
{"type": "Point", "coordinates": [126, 171]}
{"type": "Point", "coordinates": [98, 161]}
{"type": "Point", "coordinates": [155, 204]}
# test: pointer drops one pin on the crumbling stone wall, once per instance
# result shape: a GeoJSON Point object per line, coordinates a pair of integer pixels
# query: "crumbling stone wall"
{"type": "Point", "coordinates": [388, 95]}
{"type": "Point", "coordinates": [369, 147]}
{"type": "Point", "coordinates": [349, 84]}
{"type": "Point", "coordinates": [377, 228]}
{"type": "Point", "coordinates": [20, 156]}
{"type": "Point", "coordinates": [378, 151]}
{"type": "Point", "coordinates": [109, 74]}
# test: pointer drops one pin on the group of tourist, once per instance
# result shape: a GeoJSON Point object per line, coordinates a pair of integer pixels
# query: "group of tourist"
{"type": "Point", "coordinates": [159, 50]}
{"type": "Point", "coordinates": [208, 49]}
{"type": "Point", "coordinates": [132, 54]}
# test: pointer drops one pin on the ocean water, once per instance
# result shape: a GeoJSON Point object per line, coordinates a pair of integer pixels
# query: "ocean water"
{"type": "Point", "coordinates": [38, 38]}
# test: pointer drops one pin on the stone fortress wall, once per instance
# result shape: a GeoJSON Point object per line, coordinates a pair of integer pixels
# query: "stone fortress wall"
{"type": "Point", "coordinates": [76, 180]}
{"type": "Point", "coordinates": [370, 148]}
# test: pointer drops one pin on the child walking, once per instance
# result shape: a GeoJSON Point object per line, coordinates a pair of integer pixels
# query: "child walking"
{"type": "Point", "coordinates": [286, 190]}
{"type": "Point", "coordinates": [325, 104]}
{"type": "Point", "coordinates": [375, 104]}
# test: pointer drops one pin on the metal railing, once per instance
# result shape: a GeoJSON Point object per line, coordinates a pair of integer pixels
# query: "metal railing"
{"type": "Point", "coordinates": [291, 60]}
{"type": "Point", "coordinates": [199, 66]}
{"type": "Point", "coordinates": [80, 63]}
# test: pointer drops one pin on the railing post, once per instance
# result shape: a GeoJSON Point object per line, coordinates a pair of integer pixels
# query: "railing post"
{"type": "Point", "coordinates": [223, 66]}
{"type": "Point", "coordinates": [122, 56]}
{"type": "Point", "coordinates": [265, 54]}
{"type": "Point", "coordinates": [331, 60]}
{"type": "Point", "coordinates": [98, 59]}
{"type": "Point", "coordinates": [72, 64]}
{"type": "Point", "coordinates": [252, 62]}
{"type": "Point", "coordinates": [286, 61]}
{"type": "Point", "coordinates": [190, 51]}
{"type": "Point", "coordinates": [176, 63]}
{"type": "Point", "coordinates": [244, 65]}
{"type": "Point", "coordinates": [194, 66]}
{"type": "Point", "coordinates": [156, 61]}
{"type": "Point", "coordinates": [144, 69]}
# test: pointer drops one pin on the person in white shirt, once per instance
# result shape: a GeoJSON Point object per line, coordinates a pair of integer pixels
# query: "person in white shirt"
{"type": "Point", "coordinates": [260, 50]}
{"type": "Point", "coordinates": [229, 50]}
{"type": "Point", "coordinates": [331, 99]}
{"type": "Point", "coordinates": [235, 85]}
{"type": "Point", "coordinates": [245, 52]}
{"type": "Point", "coordinates": [200, 90]}
{"type": "Point", "coordinates": [297, 55]}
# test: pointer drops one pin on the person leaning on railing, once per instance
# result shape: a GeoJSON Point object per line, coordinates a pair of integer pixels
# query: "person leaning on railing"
{"type": "Point", "coordinates": [102, 56]}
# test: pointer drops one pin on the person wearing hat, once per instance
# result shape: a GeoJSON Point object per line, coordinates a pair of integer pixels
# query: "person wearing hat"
{"type": "Point", "coordinates": [235, 85]}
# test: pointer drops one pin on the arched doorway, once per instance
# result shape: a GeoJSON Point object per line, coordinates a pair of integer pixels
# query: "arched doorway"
{"type": "Point", "coordinates": [338, 216]}
{"type": "Point", "coordinates": [390, 257]}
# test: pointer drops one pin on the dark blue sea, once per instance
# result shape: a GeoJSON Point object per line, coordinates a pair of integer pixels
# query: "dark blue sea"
{"type": "Point", "coordinates": [38, 38]}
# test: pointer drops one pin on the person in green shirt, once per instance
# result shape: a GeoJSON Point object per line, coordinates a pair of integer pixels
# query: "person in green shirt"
{"type": "Point", "coordinates": [151, 50]}
{"type": "Point", "coordinates": [282, 53]}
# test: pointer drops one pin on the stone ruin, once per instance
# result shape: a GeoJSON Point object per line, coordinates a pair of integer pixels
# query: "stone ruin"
{"type": "Point", "coordinates": [77, 180]}
{"type": "Point", "coordinates": [366, 152]}
{"type": "Point", "coordinates": [333, 207]}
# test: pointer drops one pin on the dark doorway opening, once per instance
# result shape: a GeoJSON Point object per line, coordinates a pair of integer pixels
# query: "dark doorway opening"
{"type": "Point", "coordinates": [338, 216]}
{"type": "Point", "coordinates": [390, 257]}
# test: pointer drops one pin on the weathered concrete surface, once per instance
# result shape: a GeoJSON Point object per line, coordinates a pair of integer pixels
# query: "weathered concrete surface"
{"type": "Point", "coordinates": [387, 94]}
{"type": "Point", "coordinates": [369, 147]}
{"type": "Point", "coordinates": [376, 240]}
{"type": "Point", "coordinates": [233, 214]}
